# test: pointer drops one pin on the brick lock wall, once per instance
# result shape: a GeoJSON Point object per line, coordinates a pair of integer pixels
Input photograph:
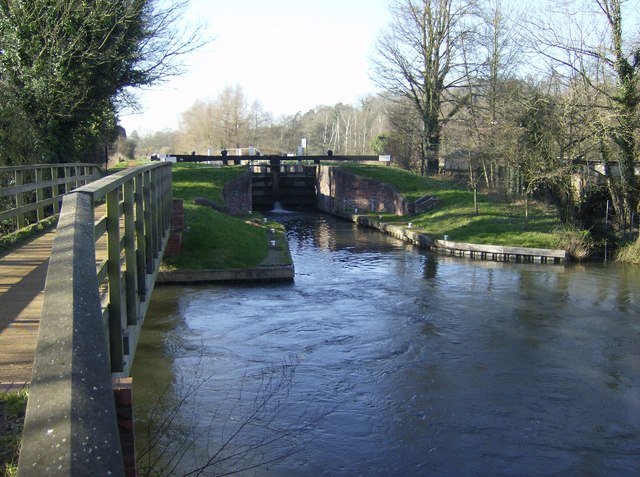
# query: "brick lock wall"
{"type": "Point", "coordinates": [237, 195]}
{"type": "Point", "coordinates": [341, 190]}
{"type": "Point", "coordinates": [177, 227]}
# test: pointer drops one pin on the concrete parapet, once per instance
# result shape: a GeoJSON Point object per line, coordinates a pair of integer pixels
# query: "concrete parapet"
{"type": "Point", "coordinates": [70, 424]}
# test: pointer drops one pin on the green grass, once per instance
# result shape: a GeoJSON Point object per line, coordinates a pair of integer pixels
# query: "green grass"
{"type": "Point", "coordinates": [497, 223]}
{"type": "Point", "coordinates": [12, 408]}
{"type": "Point", "coordinates": [214, 240]}
{"type": "Point", "coordinates": [191, 180]}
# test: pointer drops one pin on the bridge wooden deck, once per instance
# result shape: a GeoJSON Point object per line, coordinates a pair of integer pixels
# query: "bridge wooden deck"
{"type": "Point", "coordinates": [23, 272]}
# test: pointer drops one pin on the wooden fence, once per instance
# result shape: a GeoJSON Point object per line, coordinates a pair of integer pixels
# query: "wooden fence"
{"type": "Point", "coordinates": [109, 242]}
{"type": "Point", "coordinates": [31, 193]}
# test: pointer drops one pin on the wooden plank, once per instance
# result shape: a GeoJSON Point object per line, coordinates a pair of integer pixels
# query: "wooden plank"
{"type": "Point", "coordinates": [28, 208]}
{"type": "Point", "coordinates": [32, 167]}
{"type": "Point", "coordinates": [21, 296]}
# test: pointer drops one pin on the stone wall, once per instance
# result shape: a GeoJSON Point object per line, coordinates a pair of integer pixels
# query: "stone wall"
{"type": "Point", "coordinates": [237, 195]}
{"type": "Point", "coordinates": [340, 190]}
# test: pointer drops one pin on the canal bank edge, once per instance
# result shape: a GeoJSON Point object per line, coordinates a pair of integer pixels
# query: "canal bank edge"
{"type": "Point", "coordinates": [276, 267]}
{"type": "Point", "coordinates": [477, 251]}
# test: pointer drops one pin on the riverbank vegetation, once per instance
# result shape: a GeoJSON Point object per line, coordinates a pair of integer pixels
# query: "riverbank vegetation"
{"type": "Point", "coordinates": [517, 100]}
{"type": "Point", "coordinates": [498, 221]}
{"type": "Point", "coordinates": [630, 253]}
{"type": "Point", "coordinates": [212, 238]}
{"type": "Point", "coordinates": [223, 241]}
{"type": "Point", "coordinates": [12, 409]}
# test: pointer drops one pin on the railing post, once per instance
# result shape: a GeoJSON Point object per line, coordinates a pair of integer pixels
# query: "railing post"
{"type": "Point", "coordinates": [55, 190]}
{"type": "Point", "coordinates": [141, 261]}
{"type": "Point", "coordinates": [131, 267]}
{"type": "Point", "coordinates": [19, 180]}
{"type": "Point", "coordinates": [148, 223]}
{"type": "Point", "coordinates": [66, 172]}
{"type": "Point", "coordinates": [155, 226]}
{"type": "Point", "coordinates": [116, 306]}
{"type": "Point", "coordinates": [40, 192]}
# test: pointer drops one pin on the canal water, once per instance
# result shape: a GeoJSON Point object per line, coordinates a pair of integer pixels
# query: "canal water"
{"type": "Point", "coordinates": [385, 360]}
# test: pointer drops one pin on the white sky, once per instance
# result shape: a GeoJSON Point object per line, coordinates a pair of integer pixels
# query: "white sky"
{"type": "Point", "coordinates": [291, 55]}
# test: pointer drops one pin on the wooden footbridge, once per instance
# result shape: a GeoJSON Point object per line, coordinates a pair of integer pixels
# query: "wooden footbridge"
{"type": "Point", "coordinates": [73, 333]}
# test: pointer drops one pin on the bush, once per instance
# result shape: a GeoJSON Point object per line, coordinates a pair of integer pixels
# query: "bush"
{"type": "Point", "coordinates": [577, 242]}
{"type": "Point", "coordinates": [630, 253]}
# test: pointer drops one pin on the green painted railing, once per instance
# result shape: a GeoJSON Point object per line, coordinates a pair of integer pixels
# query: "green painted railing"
{"type": "Point", "coordinates": [32, 193]}
{"type": "Point", "coordinates": [109, 243]}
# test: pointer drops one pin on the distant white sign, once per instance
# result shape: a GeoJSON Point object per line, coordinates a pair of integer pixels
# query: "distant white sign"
{"type": "Point", "coordinates": [384, 158]}
{"type": "Point", "coordinates": [304, 142]}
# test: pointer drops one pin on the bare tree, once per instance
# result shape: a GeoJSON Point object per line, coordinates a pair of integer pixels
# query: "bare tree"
{"type": "Point", "coordinates": [589, 43]}
{"type": "Point", "coordinates": [420, 58]}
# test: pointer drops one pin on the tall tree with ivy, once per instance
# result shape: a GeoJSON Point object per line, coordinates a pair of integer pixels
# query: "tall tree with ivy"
{"type": "Point", "coordinates": [66, 66]}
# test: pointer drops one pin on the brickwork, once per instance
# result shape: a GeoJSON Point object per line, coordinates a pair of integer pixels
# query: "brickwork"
{"type": "Point", "coordinates": [341, 190]}
{"type": "Point", "coordinates": [237, 195]}
{"type": "Point", "coordinates": [177, 227]}
{"type": "Point", "coordinates": [123, 395]}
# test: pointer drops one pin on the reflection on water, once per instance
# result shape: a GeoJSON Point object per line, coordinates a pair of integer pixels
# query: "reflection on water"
{"type": "Point", "coordinates": [410, 363]}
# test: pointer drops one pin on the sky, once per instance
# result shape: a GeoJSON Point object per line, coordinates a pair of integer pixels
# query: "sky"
{"type": "Point", "coordinates": [291, 55]}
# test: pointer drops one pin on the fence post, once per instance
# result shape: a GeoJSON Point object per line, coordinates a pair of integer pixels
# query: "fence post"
{"type": "Point", "coordinates": [116, 305]}
{"type": "Point", "coordinates": [140, 239]}
{"type": "Point", "coordinates": [131, 267]}
{"type": "Point", "coordinates": [19, 180]}
{"type": "Point", "coordinates": [55, 189]}
{"type": "Point", "coordinates": [40, 192]}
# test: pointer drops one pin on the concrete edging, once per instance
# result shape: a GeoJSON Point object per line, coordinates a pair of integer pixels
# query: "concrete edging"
{"type": "Point", "coordinates": [232, 275]}
{"type": "Point", "coordinates": [462, 249]}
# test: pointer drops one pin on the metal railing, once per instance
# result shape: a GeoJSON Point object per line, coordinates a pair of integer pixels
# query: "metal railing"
{"type": "Point", "coordinates": [109, 242]}
{"type": "Point", "coordinates": [32, 193]}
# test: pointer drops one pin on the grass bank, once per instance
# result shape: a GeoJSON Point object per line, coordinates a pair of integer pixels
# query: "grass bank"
{"type": "Point", "coordinates": [497, 223]}
{"type": "Point", "coordinates": [213, 239]}
{"type": "Point", "coordinates": [12, 409]}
